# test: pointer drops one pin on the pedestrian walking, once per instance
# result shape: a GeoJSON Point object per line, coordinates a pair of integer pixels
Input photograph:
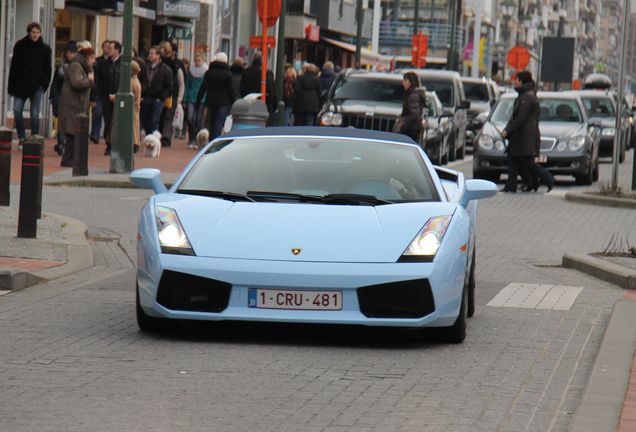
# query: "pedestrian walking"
{"type": "Point", "coordinates": [194, 112]}
{"type": "Point", "coordinates": [154, 95]}
{"type": "Point", "coordinates": [217, 88]}
{"type": "Point", "coordinates": [289, 81]}
{"type": "Point", "coordinates": [70, 50]}
{"type": "Point", "coordinates": [237, 68]}
{"type": "Point", "coordinates": [75, 97]}
{"type": "Point", "coordinates": [251, 82]}
{"type": "Point", "coordinates": [108, 85]}
{"type": "Point", "coordinates": [409, 122]}
{"type": "Point", "coordinates": [169, 58]}
{"type": "Point", "coordinates": [135, 86]}
{"type": "Point", "coordinates": [522, 132]}
{"type": "Point", "coordinates": [142, 68]}
{"type": "Point", "coordinates": [307, 91]}
{"type": "Point", "coordinates": [327, 76]}
{"type": "Point", "coordinates": [97, 103]}
{"type": "Point", "coordinates": [29, 77]}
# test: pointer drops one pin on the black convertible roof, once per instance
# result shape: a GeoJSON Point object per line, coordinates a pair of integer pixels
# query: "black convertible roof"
{"type": "Point", "coordinates": [320, 131]}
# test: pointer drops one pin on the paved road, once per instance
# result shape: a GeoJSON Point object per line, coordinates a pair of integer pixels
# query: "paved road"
{"type": "Point", "coordinates": [72, 359]}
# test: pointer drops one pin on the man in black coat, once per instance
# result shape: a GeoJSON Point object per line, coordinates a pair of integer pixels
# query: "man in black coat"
{"type": "Point", "coordinates": [158, 89]}
{"type": "Point", "coordinates": [217, 85]}
{"type": "Point", "coordinates": [108, 85]}
{"type": "Point", "coordinates": [251, 82]}
{"type": "Point", "coordinates": [522, 131]}
{"type": "Point", "coordinates": [29, 77]}
{"type": "Point", "coordinates": [96, 101]}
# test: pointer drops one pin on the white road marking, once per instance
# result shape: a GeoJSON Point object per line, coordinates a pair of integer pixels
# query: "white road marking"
{"type": "Point", "coordinates": [536, 296]}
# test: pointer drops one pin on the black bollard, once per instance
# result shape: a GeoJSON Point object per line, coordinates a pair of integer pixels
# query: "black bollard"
{"type": "Point", "coordinates": [5, 167]}
{"type": "Point", "coordinates": [80, 149]}
{"type": "Point", "coordinates": [30, 187]}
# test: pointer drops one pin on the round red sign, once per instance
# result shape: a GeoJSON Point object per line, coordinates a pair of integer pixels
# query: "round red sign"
{"type": "Point", "coordinates": [273, 11]}
{"type": "Point", "coordinates": [518, 57]}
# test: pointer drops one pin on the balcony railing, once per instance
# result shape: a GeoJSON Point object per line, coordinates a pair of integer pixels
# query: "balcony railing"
{"type": "Point", "coordinates": [399, 33]}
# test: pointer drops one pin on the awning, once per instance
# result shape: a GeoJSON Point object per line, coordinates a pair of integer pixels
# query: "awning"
{"type": "Point", "coordinates": [369, 57]}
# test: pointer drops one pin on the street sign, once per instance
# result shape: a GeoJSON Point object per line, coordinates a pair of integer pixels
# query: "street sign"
{"type": "Point", "coordinates": [268, 11]}
{"type": "Point", "coordinates": [518, 57]}
{"type": "Point", "coordinates": [419, 49]}
{"type": "Point", "coordinates": [257, 41]}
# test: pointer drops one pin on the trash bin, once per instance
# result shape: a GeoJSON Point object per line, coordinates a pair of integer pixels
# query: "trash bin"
{"type": "Point", "coordinates": [248, 114]}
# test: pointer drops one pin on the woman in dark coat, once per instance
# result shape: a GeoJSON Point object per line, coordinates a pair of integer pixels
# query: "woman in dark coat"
{"type": "Point", "coordinates": [219, 93]}
{"type": "Point", "coordinates": [70, 50]}
{"type": "Point", "coordinates": [75, 97]}
{"type": "Point", "coordinates": [307, 91]}
{"type": "Point", "coordinates": [413, 107]}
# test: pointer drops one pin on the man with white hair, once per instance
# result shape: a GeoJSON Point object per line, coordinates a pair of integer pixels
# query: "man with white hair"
{"type": "Point", "coordinates": [217, 87]}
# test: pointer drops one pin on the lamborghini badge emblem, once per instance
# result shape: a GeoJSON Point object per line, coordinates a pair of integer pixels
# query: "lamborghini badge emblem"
{"type": "Point", "coordinates": [295, 251]}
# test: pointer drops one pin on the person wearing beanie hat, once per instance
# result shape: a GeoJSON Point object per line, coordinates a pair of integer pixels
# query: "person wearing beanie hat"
{"type": "Point", "coordinates": [219, 93]}
{"type": "Point", "coordinates": [221, 57]}
{"type": "Point", "coordinates": [522, 131]}
{"type": "Point", "coordinates": [70, 50]}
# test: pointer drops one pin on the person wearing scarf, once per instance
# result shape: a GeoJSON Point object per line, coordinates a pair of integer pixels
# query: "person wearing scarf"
{"type": "Point", "coordinates": [194, 115]}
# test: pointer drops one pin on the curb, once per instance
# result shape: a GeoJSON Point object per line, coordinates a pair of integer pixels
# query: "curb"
{"type": "Point", "coordinates": [585, 198]}
{"type": "Point", "coordinates": [115, 183]}
{"type": "Point", "coordinates": [79, 256]}
{"type": "Point", "coordinates": [601, 269]}
{"type": "Point", "coordinates": [603, 398]}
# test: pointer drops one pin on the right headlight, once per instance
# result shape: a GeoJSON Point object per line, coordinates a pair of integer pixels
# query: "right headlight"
{"type": "Point", "coordinates": [426, 243]}
{"type": "Point", "coordinates": [576, 143]}
{"type": "Point", "coordinates": [485, 142]}
{"type": "Point", "coordinates": [172, 237]}
{"type": "Point", "coordinates": [330, 118]}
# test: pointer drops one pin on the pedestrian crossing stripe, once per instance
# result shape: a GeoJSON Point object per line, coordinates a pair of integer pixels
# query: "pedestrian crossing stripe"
{"type": "Point", "coordinates": [536, 296]}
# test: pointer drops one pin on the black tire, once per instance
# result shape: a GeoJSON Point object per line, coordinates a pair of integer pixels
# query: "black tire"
{"type": "Point", "coordinates": [595, 173]}
{"type": "Point", "coordinates": [621, 154]}
{"type": "Point", "coordinates": [471, 287]}
{"type": "Point", "coordinates": [585, 179]}
{"type": "Point", "coordinates": [457, 332]}
{"type": "Point", "coordinates": [145, 322]}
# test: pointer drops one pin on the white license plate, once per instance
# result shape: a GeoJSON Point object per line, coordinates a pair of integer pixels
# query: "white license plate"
{"type": "Point", "coordinates": [542, 158]}
{"type": "Point", "coordinates": [294, 300]}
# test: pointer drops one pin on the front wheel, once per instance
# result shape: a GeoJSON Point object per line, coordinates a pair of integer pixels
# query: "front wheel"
{"type": "Point", "coordinates": [585, 179]}
{"type": "Point", "coordinates": [471, 287]}
{"type": "Point", "coordinates": [146, 322]}
{"type": "Point", "coordinates": [457, 332]}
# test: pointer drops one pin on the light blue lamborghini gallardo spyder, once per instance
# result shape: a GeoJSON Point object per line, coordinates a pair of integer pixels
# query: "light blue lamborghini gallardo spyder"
{"type": "Point", "coordinates": [310, 225]}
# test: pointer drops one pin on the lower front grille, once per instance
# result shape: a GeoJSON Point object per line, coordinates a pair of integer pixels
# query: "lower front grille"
{"type": "Point", "coordinates": [182, 291]}
{"type": "Point", "coordinates": [547, 144]}
{"type": "Point", "coordinates": [406, 299]}
{"type": "Point", "coordinates": [368, 122]}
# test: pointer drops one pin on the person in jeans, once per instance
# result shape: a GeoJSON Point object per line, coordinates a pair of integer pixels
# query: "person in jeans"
{"type": "Point", "coordinates": [96, 101]}
{"type": "Point", "coordinates": [29, 77]}
{"type": "Point", "coordinates": [219, 93]}
{"type": "Point", "coordinates": [158, 89]}
{"type": "Point", "coordinates": [194, 115]}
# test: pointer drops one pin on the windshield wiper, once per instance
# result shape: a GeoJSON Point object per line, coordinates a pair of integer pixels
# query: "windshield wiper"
{"type": "Point", "coordinates": [284, 196]}
{"type": "Point", "coordinates": [343, 198]}
{"type": "Point", "coordinates": [229, 196]}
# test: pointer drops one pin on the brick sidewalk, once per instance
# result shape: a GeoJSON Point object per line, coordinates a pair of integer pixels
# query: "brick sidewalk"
{"type": "Point", "coordinates": [172, 160]}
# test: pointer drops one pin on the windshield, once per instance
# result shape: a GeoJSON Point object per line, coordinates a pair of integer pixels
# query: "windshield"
{"type": "Point", "coordinates": [599, 107]}
{"type": "Point", "coordinates": [559, 110]}
{"type": "Point", "coordinates": [476, 92]}
{"type": "Point", "coordinates": [444, 90]}
{"type": "Point", "coordinates": [370, 89]}
{"type": "Point", "coordinates": [502, 111]}
{"type": "Point", "coordinates": [431, 106]}
{"type": "Point", "coordinates": [311, 167]}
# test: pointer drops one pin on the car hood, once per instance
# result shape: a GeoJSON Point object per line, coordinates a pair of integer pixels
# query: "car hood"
{"type": "Point", "coordinates": [362, 107]}
{"type": "Point", "coordinates": [562, 129]}
{"type": "Point", "coordinates": [323, 233]}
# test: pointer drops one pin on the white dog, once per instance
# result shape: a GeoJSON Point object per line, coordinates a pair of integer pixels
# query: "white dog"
{"type": "Point", "coordinates": [152, 144]}
{"type": "Point", "coordinates": [202, 138]}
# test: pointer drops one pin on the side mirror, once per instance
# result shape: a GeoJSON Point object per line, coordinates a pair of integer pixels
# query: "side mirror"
{"type": "Point", "coordinates": [465, 104]}
{"type": "Point", "coordinates": [478, 189]}
{"type": "Point", "coordinates": [148, 178]}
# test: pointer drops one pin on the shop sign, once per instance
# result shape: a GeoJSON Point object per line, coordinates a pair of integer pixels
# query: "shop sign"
{"type": "Point", "coordinates": [179, 8]}
{"type": "Point", "coordinates": [312, 32]}
{"type": "Point", "coordinates": [184, 33]}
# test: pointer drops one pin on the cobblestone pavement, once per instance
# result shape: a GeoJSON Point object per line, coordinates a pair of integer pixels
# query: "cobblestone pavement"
{"type": "Point", "coordinates": [72, 359]}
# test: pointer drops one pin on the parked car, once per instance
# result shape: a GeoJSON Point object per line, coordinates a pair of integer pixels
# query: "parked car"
{"type": "Point", "coordinates": [450, 91]}
{"type": "Point", "coordinates": [438, 130]}
{"type": "Point", "coordinates": [601, 108]}
{"type": "Point", "coordinates": [569, 139]}
{"type": "Point", "coordinates": [482, 94]}
{"type": "Point", "coordinates": [323, 225]}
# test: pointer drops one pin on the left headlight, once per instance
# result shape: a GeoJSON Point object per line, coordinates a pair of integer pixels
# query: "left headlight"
{"type": "Point", "coordinates": [426, 243]}
{"type": "Point", "coordinates": [172, 237]}
{"type": "Point", "coordinates": [576, 143]}
{"type": "Point", "coordinates": [610, 131]}
{"type": "Point", "coordinates": [330, 118]}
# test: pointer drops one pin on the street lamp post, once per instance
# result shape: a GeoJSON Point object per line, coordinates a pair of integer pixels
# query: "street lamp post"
{"type": "Point", "coordinates": [541, 31]}
{"type": "Point", "coordinates": [280, 65]}
{"type": "Point", "coordinates": [121, 156]}
{"type": "Point", "coordinates": [507, 11]}
{"type": "Point", "coordinates": [359, 17]}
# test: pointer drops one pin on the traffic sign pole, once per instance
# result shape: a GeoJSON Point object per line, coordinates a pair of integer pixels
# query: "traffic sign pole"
{"type": "Point", "coordinates": [265, 52]}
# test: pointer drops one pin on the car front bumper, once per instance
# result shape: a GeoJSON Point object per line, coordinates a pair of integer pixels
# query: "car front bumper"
{"type": "Point", "coordinates": [444, 277]}
{"type": "Point", "coordinates": [563, 164]}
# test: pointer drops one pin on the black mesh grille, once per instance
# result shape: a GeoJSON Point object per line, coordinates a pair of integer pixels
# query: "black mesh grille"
{"type": "Point", "coordinates": [368, 122]}
{"type": "Point", "coordinates": [182, 291]}
{"type": "Point", "coordinates": [406, 299]}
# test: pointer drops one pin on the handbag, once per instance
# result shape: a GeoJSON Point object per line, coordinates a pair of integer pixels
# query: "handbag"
{"type": "Point", "coordinates": [398, 125]}
{"type": "Point", "coordinates": [168, 102]}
